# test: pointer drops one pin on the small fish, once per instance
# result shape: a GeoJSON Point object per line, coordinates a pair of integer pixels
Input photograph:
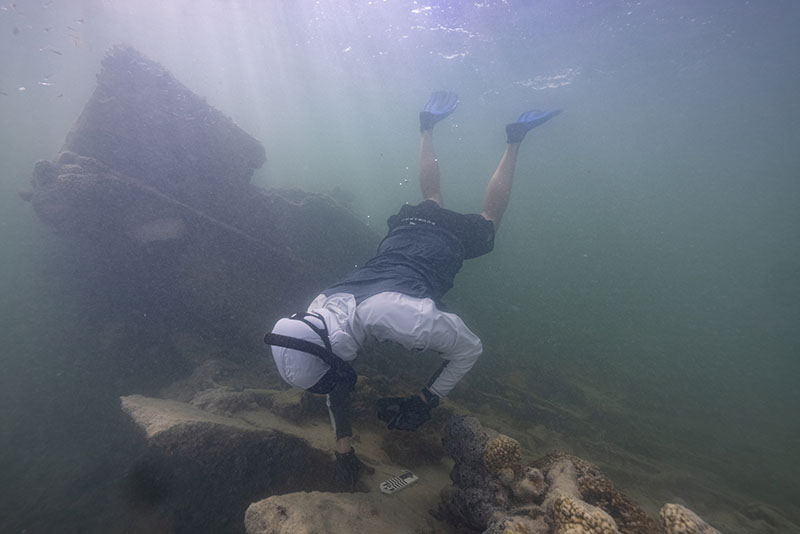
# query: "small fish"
{"type": "Point", "coordinates": [3, 93]}
{"type": "Point", "coordinates": [52, 50]}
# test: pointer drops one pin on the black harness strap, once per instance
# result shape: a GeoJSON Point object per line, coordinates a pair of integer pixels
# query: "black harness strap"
{"type": "Point", "coordinates": [326, 354]}
{"type": "Point", "coordinates": [337, 382]}
{"type": "Point", "coordinates": [321, 332]}
{"type": "Point", "coordinates": [302, 345]}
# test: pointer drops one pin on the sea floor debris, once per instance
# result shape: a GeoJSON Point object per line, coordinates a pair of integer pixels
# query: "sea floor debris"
{"type": "Point", "coordinates": [270, 452]}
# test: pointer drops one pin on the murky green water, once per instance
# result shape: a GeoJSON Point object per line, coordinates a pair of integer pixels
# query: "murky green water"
{"type": "Point", "coordinates": [647, 273]}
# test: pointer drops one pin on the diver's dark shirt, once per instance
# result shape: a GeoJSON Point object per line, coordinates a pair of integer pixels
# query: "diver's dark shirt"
{"type": "Point", "coordinates": [421, 254]}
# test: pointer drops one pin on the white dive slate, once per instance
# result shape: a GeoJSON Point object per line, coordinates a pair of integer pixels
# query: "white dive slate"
{"type": "Point", "coordinates": [396, 483]}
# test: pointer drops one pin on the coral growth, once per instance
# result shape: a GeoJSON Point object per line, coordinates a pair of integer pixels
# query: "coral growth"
{"type": "Point", "coordinates": [502, 453]}
{"type": "Point", "coordinates": [573, 516]}
{"type": "Point", "coordinates": [530, 487]}
{"type": "Point", "coordinates": [677, 519]}
{"type": "Point", "coordinates": [493, 493]}
{"type": "Point", "coordinates": [596, 489]}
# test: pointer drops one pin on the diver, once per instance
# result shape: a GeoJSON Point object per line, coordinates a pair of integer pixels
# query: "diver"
{"type": "Point", "coordinates": [396, 296]}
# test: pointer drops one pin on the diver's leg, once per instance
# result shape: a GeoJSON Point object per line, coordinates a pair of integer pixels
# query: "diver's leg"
{"type": "Point", "coordinates": [440, 106]}
{"type": "Point", "coordinates": [498, 192]}
{"type": "Point", "coordinates": [429, 174]}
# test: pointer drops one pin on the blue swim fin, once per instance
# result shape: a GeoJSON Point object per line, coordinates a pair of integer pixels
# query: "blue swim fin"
{"type": "Point", "coordinates": [440, 105]}
{"type": "Point", "coordinates": [526, 122]}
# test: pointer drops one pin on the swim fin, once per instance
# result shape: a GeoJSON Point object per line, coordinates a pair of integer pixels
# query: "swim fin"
{"type": "Point", "coordinates": [526, 122]}
{"type": "Point", "coordinates": [440, 105]}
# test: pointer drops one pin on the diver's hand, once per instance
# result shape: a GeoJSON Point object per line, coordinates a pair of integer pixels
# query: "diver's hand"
{"type": "Point", "coordinates": [348, 468]}
{"type": "Point", "coordinates": [403, 413]}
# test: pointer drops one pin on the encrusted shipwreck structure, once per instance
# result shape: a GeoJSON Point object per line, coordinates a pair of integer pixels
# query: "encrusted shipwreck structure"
{"type": "Point", "coordinates": [494, 493]}
{"type": "Point", "coordinates": [259, 461]}
{"type": "Point", "coordinates": [159, 182]}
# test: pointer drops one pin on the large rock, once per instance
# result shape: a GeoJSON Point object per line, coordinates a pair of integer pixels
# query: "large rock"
{"type": "Point", "coordinates": [228, 448]}
{"type": "Point", "coordinates": [204, 469]}
{"type": "Point", "coordinates": [327, 513]}
{"type": "Point", "coordinates": [145, 124]}
{"type": "Point", "coordinates": [159, 183]}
